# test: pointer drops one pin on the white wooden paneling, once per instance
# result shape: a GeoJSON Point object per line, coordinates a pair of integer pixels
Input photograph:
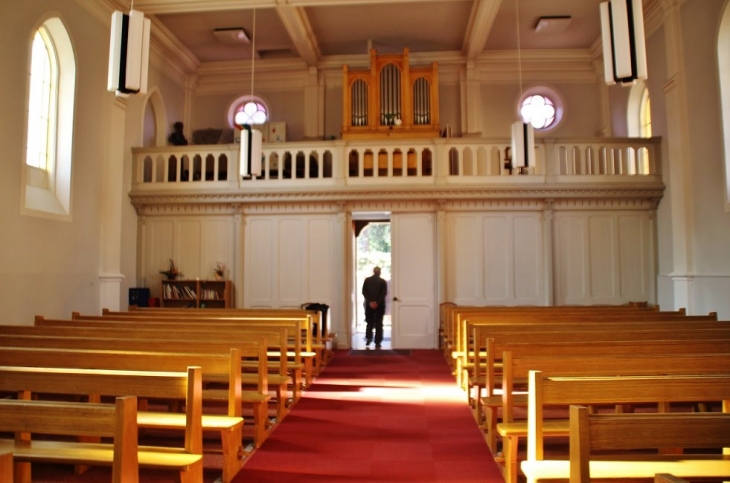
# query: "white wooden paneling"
{"type": "Point", "coordinates": [495, 258]}
{"type": "Point", "coordinates": [217, 247]}
{"type": "Point", "coordinates": [291, 261]}
{"type": "Point", "coordinates": [527, 258]}
{"type": "Point", "coordinates": [463, 240]}
{"type": "Point", "coordinates": [414, 278]}
{"type": "Point", "coordinates": [259, 256]}
{"type": "Point", "coordinates": [498, 252]}
{"type": "Point", "coordinates": [320, 264]}
{"type": "Point", "coordinates": [158, 247]}
{"type": "Point", "coordinates": [634, 241]}
{"type": "Point", "coordinates": [188, 240]}
{"type": "Point", "coordinates": [571, 268]}
{"type": "Point", "coordinates": [602, 257]}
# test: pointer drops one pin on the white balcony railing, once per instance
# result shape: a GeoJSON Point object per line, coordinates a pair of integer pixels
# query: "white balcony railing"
{"type": "Point", "coordinates": [391, 162]}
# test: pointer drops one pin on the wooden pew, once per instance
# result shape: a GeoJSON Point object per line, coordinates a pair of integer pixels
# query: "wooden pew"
{"type": "Point", "coordinates": [566, 391]}
{"type": "Point", "coordinates": [493, 376]}
{"type": "Point", "coordinates": [303, 349]}
{"type": "Point", "coordinates": [6, 466]}
{"type": "Point", "coordinates": [187, 460]}
{"type": "Point", "coordinates": [454, 315]}
{"type": "Point", "coordinates": [518, 367]}
{"type": "Point", "coordinates": [309, 321]}
{"type": "Point", "coordinates": [607, 433]}
{"type": "Point", "coordinates": [593, 334]}
{"type": "Point", "coordinates": [463, 354]}
{"type": "Point", "coordinates": [474, 382]}
{"type": "Point", "coordinates": [280, 377]}
{"type": "Point", "coordinates": [229, 426]}
{"type": "Point", "coordinates": [667, 478]}
{"type": "Point", "coordinates": [258, 398]}
{"type": "Point", "coordinates": [117, 421]}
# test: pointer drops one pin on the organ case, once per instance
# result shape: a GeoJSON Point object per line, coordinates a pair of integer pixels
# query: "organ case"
{"type": "Point", "coordinates": [391, 99]}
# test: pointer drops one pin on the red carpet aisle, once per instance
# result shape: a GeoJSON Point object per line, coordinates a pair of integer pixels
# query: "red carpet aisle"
{"type": "Point", "coordinates": [382, 417]}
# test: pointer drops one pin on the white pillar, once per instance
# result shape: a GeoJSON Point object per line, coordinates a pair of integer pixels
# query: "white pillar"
{"type": "Point", "coordinates": [679, 154]}
{"type": "Point", "coordinates": [313, 106]}
{"type": "Point", "coordinates": [471, 101]}
{"type": "Point", "coordinates": [110, 276]}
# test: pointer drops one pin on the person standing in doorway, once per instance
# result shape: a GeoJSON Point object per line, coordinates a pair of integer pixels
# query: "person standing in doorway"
{"type": "Point", "coordinates": [374, 290]}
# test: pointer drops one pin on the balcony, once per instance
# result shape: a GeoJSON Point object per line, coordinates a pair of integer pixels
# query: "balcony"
{"type": "Point", "coordinates": [424, 169]}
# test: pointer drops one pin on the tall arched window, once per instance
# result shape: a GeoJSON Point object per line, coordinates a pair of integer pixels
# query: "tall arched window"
{"type": "Point", "coordinates": [49, 131]}
{"type": "Point", "coordinates": [723, 63]}
{"type": "Point", "coordinates": [645, 115]}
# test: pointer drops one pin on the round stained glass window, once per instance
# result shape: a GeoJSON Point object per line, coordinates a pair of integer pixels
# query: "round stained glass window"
{"type": "Point", "coordinates": [251, 113]}
{"type": "Point", "coordinates": [538, 110]}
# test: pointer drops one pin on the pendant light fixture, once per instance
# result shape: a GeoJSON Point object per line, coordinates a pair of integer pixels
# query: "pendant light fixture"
{"type": "Point", "coordinates": [251, 152]}
{"type": "Point", "coordinates": [523, 134]}
{"type": "Point", "coordinates": [129, 50]}
{"type": "Point", "coordinates": [622, 37]}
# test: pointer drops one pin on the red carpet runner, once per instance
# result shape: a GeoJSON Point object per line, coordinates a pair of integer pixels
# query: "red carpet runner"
{"type": "Point", "coordinates": [384, 417]}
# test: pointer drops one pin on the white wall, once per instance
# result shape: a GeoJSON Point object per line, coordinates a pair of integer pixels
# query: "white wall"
{"type": "Point", "coordinates": [51, 267]}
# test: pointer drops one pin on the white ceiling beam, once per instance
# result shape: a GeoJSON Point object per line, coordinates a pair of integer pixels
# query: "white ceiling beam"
{"type": "Point", "coordinates": [300, 30]}
{"type": "Point", "coordinates": [483, 13]}
{"type": "Point", "coordinates": [181, 6]}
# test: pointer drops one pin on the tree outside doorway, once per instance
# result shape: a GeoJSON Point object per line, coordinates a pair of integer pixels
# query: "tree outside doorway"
{"type": "Point", "coordinates": [373, 250]}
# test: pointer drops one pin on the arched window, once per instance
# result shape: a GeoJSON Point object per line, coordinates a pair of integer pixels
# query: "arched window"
{"type": "Point", "coordinates": [645, 115]}
{"type": "Point", "coordinates": [723, 62]}
{"type": "Point", "coordinates": [248, 110]}
{"type": "Point", "coordinates": [49, 132]}
{"type": "Point", "coordinates": [542, 107]}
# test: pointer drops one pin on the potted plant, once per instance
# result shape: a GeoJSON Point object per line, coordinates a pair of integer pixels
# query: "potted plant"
{"type": "Point", "coordinates": [172, 272]}
{"type": "Point", "coordinates": [219, 270]}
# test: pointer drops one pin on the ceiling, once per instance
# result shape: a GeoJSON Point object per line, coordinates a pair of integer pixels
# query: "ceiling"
{"type": "Point", "coordinates": [315, 30]}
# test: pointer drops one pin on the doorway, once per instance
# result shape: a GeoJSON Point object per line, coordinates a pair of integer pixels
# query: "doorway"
{"type": "Point", "coordinates": [372, 249]}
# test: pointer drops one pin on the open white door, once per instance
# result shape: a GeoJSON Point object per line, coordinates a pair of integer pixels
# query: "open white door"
{"type": "Point", "coordinates": [413, 290]}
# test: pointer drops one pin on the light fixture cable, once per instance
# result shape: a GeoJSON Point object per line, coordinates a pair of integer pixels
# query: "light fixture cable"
{"type": "Point", "coordinates": [519, 46]}
{"type": "Point", "coordinates": [253, 50]}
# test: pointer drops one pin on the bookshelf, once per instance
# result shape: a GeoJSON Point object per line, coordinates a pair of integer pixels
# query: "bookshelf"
{"type": "Point", "coordinates": [197, 293]}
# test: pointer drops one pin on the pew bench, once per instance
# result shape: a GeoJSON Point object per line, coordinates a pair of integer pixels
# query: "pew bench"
{"type": "Point", "coordinates": [6, 465]}
{"type": "Point", "coordinates": [566, 391]}
{"type": "Point", "coordinates": [301, 356]}
{"type": "Point", "coordinates": [187, 460]}
{"type": "Point", "coordinates": [117, 421]}
{"type": "Point", "coordinates": [473, 331]}
{"type": "Point", "coordinates": [481, 380]}
{"type": "Point", "coordinates": [228, 426]}
{"type": "Point", "coordinates": [258, 398]}
{"type": "Point", "coordinates": [518, 367]}
{"type": "Point", "coordinates": [282, 373]}
{"type": "Point", "coordinates": [307, 320]}
{"type": "Point", "coordinates": [607, 434]}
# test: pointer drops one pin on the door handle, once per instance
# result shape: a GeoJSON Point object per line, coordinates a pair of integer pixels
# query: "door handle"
{"type": "Point", "coordinates": [395, 299]}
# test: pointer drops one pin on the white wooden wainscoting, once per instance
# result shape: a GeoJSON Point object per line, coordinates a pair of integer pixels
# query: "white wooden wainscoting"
{"type": "Point", "coordinates": [292, 259]}
{"type": "Point", "coordinates": [603, 257]}
{"type": "Point", "coordinates": [527, 252]}
{"type": "Point", "coordinates": [495, 258]}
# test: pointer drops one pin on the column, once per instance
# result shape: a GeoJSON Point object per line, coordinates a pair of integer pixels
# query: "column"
{"type": "Point", "coordinates": [547, 243]}
{"type": "Point", "coordinates": [471, 101]}
{"type": "Point", "coordinates": [678, 155]}
{"type": "Point", "coordinates": [313, 106]}
{"type": "Point", "coordinates": [238, 257]}
{"type": "Point", "coordinates": [112, 194]}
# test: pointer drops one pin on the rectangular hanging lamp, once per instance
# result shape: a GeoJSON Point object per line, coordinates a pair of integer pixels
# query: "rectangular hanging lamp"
{"type": "Point", "coordinates": [251, 152]}
{"type": "Point", "coordinates": [622, 37]}
{"type": "Point", "coordinates": [523, 145]}
{"type": "Point", "coordinates": [129, 53]}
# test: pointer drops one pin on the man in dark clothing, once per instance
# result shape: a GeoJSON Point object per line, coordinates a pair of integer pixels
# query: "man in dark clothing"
{"type": "Point", "coordinates": [374, 289]}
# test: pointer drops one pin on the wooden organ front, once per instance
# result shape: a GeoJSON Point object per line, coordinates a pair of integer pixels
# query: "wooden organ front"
{"type": "Point", "coordinates": [391, 99]}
